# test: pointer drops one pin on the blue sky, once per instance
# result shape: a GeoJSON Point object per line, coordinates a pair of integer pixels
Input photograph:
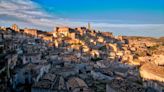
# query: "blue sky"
{"type": "Point", "coordinates": [122, 17]}
{"type": "Point", "coordinates": [116, 11]}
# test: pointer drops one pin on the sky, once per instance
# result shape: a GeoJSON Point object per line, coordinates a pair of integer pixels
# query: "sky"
{"type": "Point", "coordinates": [122, 17]}
{"type": "Point", "coordinates": [117, 11]}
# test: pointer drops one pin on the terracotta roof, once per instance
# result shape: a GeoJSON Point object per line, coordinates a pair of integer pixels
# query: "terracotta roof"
{"type": "Point", "coordinates": [49, 76]}
{"type": "Point", "coordinates": [42, 84]}
{"type": "Point", "coordinates": [75, 82]}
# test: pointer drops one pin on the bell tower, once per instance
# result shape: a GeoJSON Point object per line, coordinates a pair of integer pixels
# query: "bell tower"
{"type": "Point", "coordinates": [89, 26]}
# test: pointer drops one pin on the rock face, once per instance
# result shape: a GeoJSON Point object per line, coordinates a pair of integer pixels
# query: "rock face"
{"type": "Point", "coordinates": [152, 72]}
{"type": "Point", "coordinates": [159, 60]}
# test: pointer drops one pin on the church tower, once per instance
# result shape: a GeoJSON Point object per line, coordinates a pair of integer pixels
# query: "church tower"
{"type": "Point", "coordinates": [89, 26]}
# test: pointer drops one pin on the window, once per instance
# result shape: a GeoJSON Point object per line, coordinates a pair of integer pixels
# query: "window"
{"type": "Point", "coordinates": [81, 89]}
{"type": "Point", "coordinates": [70, 88]}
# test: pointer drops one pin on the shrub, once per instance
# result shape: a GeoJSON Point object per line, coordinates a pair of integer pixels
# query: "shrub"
{"type": "Point", "coordinates": [102, 48]}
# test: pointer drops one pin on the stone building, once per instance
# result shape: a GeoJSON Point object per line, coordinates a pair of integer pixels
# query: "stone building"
{"type": "Point", "coordinates": [113, 47]}
{"type": "Point", "coordinates": [76, 84]}
{"type": "Point", "coordinates": [64, 32]}
{"type": "Point", "coordinates": [15, 27]}
{"type": "Point", "coordinates": [31, 58]}
{"type": "Point", "coordinates": [56, 43]}
{"type": "Point", "coordinates": [81, 30]}
{"type": "Point", "coordinates": [95, 53]}
{"type": "Point", "coordinates": [85, 49]}
{"type": "Point", "coordinates": [107, 34]}
{"type": "Point", "coordinates": [47, 38]}
{"type": "Point", "coordinates": [100, 39]}
{"type": "Point", "coordinates": [72, 41]}
{"type": "Point", "coordinates": [32, 32]}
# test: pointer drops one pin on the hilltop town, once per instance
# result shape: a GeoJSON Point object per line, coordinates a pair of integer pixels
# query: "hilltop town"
{"type": "Point", "coordinates": [79, 60]}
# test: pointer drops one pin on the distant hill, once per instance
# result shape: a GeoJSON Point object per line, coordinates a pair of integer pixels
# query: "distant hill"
{"type": "Point", "coordinates": [161, 39]}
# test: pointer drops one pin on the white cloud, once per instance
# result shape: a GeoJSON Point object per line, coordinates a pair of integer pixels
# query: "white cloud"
{"type": "Point", "coordinates": [31, 14]}
{"type": "Point", "coordinates": [26, 10]}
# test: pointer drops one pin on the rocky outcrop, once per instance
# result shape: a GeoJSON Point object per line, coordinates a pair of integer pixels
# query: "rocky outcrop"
{"type": "Point", "coordinates": [152, 72]}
